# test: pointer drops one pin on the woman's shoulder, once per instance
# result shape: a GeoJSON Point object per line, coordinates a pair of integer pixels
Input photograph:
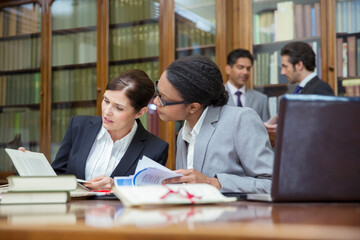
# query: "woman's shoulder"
{"type": "Point", "coordinates": [150, 137]}
{"type": "Point", "coordinates": [85, 119]}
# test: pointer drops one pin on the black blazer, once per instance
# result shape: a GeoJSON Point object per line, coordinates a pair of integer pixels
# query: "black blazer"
{"type": "Point", "coordinates": [80, 136]}
{"type": "Point", "coordinates": [317, 86]}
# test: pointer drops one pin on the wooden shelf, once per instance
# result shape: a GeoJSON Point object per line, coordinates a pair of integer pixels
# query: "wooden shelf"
{"type": "Point", "coordinates": [73, 30]}
{"type": "Point", "coordinates": [20, 71]}
{"type": "Point", "coordinates": [71, 104]}
{"type": "Point", "coordinates": [21, 36]}
{"type": "Point", "coordinates": [134, 60]}
{"type": "Point", "coordinates": [195, 47]}
{"type": "Point", "coordinates": [134, 23]}
{"type": "Point", "coordinates": [75, 66]}
{"type": "Point", "coordinates": [30, 105]}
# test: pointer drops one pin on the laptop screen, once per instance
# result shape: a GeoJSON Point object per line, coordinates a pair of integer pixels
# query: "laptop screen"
{"type": "Point", "coordinates": [317, 149]}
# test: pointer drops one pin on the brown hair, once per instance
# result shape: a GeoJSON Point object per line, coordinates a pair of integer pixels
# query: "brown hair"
{"type": "Point", "coordinates": [137, 85]}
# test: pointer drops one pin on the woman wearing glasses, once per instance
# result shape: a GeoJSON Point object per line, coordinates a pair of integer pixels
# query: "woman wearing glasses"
{"type": "Point", "coordinates": [99, 148]}
{"type": "Point", "coordinates": [225, 146]}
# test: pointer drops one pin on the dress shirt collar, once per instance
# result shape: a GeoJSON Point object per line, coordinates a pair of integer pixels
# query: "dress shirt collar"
{"type": "Point", "coordinates": [104, 133]}
{"type": "Point", "coordinates": [188, 133]}
{"type": "Point", "coordinates": [233, 89]}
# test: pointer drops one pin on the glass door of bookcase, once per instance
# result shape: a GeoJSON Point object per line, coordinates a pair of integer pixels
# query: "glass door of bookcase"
{"type": "Point", "coordinates": [276, 23]}
{"type": "Point", "coordinates": [19, 80]}
{"type": "Point", "coordinates": [74, 48]}
{"type": "Point", "coordinates": [134, 44]}
{"type": "Point", "coordinates": [348, 47]}
{"type": "Point", "coordinates": [195, 28]}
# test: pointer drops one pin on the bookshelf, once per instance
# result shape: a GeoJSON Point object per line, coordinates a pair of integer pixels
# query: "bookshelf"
{"type": "Point", "coordinates": [348, 47]}
{"type": "Point", "coordinates": [20, 80]}
{"type": "Point", "coordinates": [74, 77]}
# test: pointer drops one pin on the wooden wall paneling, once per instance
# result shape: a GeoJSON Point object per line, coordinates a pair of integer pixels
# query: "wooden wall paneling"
{"type": "Point", "coordinates": [242, 28]}
{"type": "Point", "coordinates": [45, 69]}
{"type": "Point", "coordinates": [102, 63]}
{"type": "Point", "coordinates": [328, 43]}
{"type": "Point", "coordinates": [167, 55]}
{"type": "Point", "coordinates": [221, 39]}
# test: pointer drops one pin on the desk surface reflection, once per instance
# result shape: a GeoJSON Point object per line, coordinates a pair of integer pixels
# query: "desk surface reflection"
{"type": "Point", "coordinates": [107, 219]}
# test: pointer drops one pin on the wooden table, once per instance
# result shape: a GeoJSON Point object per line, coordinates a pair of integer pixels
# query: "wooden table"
{"type": "Point", "coordinates": [107, 219]}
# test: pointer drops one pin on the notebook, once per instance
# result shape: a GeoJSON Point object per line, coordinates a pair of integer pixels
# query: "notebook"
{"type": "Point", "coordinates": [317, 150]}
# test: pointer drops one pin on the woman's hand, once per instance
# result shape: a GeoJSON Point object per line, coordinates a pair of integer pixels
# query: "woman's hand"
{"type": "Point", "coordinates": [100, 183]}
{"type": "Point", "coordinates": [22, 149]}
{"type": "Point", "coordinates": [193, 176]}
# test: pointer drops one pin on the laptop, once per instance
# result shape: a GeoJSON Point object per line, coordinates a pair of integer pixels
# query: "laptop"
{"type": "Point", "coordinates": [317, 150]}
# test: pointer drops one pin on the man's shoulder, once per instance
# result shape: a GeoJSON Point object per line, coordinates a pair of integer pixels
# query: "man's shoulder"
{"type": "Point", "coordinates": [256, 93]}
{"type": "Point", "coordinates": [318, 86]}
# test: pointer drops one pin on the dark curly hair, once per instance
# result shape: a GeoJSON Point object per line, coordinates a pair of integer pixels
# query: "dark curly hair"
{"type": "Point", "coordinates": [138, 87]}
{"type": "Point", "coordinates": [198, 79]}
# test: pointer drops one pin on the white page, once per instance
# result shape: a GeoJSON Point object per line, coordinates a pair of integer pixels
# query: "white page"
{"type": "Point", "coordinates": [30, 163]}
{"type": "Point", "coordinates": [151, 175]}
{"type": "Point", "coordinates": [146, 162]}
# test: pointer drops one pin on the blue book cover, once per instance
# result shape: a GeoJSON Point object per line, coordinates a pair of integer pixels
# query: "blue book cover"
{"type": "Point", "coordinates": [313, 24]}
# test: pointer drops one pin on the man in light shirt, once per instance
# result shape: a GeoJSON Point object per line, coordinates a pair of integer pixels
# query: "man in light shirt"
{"type": "Point", "coordinates": [238, 68]}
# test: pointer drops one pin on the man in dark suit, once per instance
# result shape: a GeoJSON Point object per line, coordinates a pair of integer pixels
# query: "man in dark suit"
{"type": "Point", "coordinates": [298, 65]}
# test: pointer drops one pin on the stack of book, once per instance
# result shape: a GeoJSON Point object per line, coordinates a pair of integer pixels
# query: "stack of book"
{"type": "Point", "coordinates": [39, 189]}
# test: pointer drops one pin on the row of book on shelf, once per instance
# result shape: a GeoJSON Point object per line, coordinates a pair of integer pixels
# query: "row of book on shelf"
{"type": "Point", "coordinates": [79, 14]}
{"type": "Point", "coordinates": [189, 34]}
{"type": "Point", "coordinates": [347, 16]}
{"type": "Point", "coordinates": [74, 84]}
{"type": "Point", "coordinates": [122, 11]}
{"type": "Point", "coordinates": [287, 21]}
{"type": "Point", "coordinates": [150, 67]}
{"type": "Point", "coordinates": [22, 53]}
{"type": "Point", "coordinates": [267, 66]}
{"type": "Point", "coordinates": [352, 87]}
{"type": "Point", "coordinates": [348, 55]}
{"type": "Point", "coordinates": [23, 122]}
{"type": "Point", "coordinates": [20, 89]}
{"type": "Point", "coordinates": [74, 48]}
{"type": "Point", "coordinates": [134, 41]}
{"type": "Point", "coordinates": [20, 20]}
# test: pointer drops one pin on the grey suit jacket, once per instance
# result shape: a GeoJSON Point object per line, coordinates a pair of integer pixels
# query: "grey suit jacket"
{"type": "Point", "coordinates": [255, 100]}
{"type": "Point", "coordinates": [233, 145]}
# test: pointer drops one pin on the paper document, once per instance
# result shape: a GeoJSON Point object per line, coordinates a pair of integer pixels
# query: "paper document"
{"type": "Point", "coordinates": [148, 172]}
{"type": "Point", "coordinates": [170, 194]}
{"type": "Point", "coordinates": [30, 163]}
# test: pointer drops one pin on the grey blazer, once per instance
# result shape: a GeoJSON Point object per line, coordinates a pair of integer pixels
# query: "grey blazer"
{"type": "Point", "coordinates": [255, 100]}
{"type": "Point", "coordinates": [233, 145]}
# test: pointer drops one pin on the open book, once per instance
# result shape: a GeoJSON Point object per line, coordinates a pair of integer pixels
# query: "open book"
{"type": "Point", "coordinates": [133, 196]}
{"type": "Point", "coordinates": [148, 172]}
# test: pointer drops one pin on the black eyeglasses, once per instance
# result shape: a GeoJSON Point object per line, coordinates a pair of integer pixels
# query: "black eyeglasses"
{"type": "Point", "coordinates": [162, 102]}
